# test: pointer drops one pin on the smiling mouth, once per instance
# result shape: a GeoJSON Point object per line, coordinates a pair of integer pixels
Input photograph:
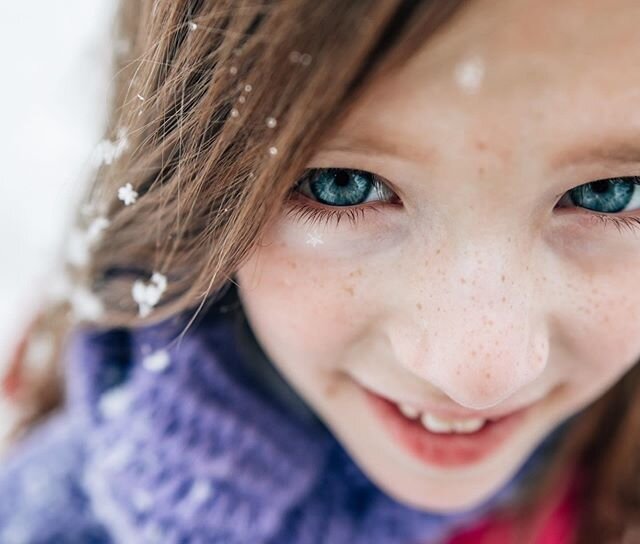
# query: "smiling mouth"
{"type": "Point", "coordinates": [444, 443]}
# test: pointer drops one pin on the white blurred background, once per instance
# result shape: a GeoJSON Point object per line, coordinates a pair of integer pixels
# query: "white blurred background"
{"type": "Point", "coordinates": [53, 92]}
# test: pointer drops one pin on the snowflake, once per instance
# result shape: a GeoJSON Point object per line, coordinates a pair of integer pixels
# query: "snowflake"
{"type": "Point", "coordinates": [157, 361]}
{"type": "Point", "coordinates": [127, 194]}
{"type": "Point", "coordinates": [192, 26]}
{"type": "Point", "coordinates": [85, 304]}
{"type": "Point", "coordinates": [147, 295]}
{"type": "Point", "coordinates": [114, 402]}
{"type": "Point", "coordinates": [97, 226]}
{"type": "Point", "coordinates": [314, 239]}
{"type": "Point", "coordinates": [469, 74]}
{"type": "Point", "coordinates": [108, 151]}
{"type": "Point", "coordinates": [80, 241]}
{"type": "Point", "coordinates": [300, 58]}
{"type": "Point", "coordinates": [199, 492]}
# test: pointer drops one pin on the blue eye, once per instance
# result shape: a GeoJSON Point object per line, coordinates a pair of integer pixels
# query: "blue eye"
{"type": "Point", "coordinates": [340, 186]}
{"type": "Point", "coordinates": [607, 195]}
{"type": "Point", "coordinates": [604, 198]}
{"type": "Point", "coordinates": [333, 193]}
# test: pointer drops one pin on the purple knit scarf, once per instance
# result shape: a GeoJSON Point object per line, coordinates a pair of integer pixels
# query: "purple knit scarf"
{"type": "Point", "coordinates": [182, 441]}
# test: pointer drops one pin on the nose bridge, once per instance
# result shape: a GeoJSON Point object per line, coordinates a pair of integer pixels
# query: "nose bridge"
{"type": "Point", "coordinates": [480, 339]}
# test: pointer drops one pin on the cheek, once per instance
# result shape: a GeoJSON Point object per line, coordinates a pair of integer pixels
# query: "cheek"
{"type": "Point", "coordinates": [305, 305]}
{"type": "Point", "coordinates": [602, 327]}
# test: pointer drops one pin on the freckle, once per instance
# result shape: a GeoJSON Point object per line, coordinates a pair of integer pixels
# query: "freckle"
{"type": "Point", "coordinates": [480, 145]}
{"type": "Point", "coordinates": [332, 387]}
{"type": "Point", "coordinates": [462, 280]}
{"type": "Point", "coordinates": [502, 277]}
{"type": "Point", "coordinates": [480, 171]}
{"type": "Point", "coordinates": [438, 252]}
{"type": "Point", "coordinates": [504, 299]}
{"type": "Point", "coordinates": [473, 353]}
{"type": "Point", "coordinates": [293, 264]}
{"type": "Point", "coordinates": [349, 290]}
{"type": "Point", "coordinates": [426, 262]}
{"type": "Point", "coordinates": [419, 306]}
{"type": "Point", "coordinates": [487, 375]}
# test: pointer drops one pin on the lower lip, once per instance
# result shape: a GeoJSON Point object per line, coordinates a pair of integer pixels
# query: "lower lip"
{"type": "Point", "coordinates": [444, 449]}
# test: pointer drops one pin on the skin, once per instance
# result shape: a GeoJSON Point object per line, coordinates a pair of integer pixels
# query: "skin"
{"type": "Point", "coordinates": [479, 291]}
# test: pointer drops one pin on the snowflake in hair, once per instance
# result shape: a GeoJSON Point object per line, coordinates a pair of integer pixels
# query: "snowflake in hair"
{"type": "Point", "coordinates": [127, 194]}
{"type": "Point", "coordinates": [147, 295]}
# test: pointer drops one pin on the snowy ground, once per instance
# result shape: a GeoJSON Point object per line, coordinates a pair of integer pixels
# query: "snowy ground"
{"type": "Point", "coordinates": [53, 96]}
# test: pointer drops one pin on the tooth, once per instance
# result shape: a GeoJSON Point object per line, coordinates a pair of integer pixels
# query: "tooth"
{"type": "Point", "coordinates": [468, 426]}
{"type": "Point", "coordinates": [409, 411]}
{"type": "Point", "coordinates": [433, 424]}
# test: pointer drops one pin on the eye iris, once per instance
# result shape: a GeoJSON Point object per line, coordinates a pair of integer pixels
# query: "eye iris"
{"type": "Point", "coordinates": [338, 187]}
{"type": "Point", "coordinates": [607, 196]}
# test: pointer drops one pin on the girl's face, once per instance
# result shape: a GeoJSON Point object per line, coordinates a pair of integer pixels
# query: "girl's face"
{"type": "Point", "coordinates": [469, 267]}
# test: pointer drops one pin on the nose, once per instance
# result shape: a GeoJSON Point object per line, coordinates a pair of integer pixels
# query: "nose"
{"type": "Point", "coordinates": [479, 336]}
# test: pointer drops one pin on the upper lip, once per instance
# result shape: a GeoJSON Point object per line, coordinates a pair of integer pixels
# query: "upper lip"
{"type": "Point", "coordinates": [454, 414]}
{"type": "Point", "coordinates": [458, 413]}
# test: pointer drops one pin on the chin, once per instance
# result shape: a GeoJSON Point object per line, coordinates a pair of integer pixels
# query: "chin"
{"type": "Point", "coordinates": [449, 499]}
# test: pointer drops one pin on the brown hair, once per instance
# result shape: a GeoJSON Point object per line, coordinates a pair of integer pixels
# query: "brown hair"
{"type": "Point", "coordinates": [192, 95]}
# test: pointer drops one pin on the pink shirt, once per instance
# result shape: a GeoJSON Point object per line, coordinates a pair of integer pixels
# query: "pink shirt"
{"type": "Point", "coordinates": [557, 522]}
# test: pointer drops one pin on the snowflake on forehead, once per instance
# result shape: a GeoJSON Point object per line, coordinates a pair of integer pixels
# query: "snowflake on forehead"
{"type": "Point", "coordinates": [147, 295]}
{"type": "Point", "coordinates": [127, 194]}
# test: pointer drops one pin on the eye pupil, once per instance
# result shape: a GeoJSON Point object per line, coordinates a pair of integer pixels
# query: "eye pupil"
{"type": "Point", "coordinates": [600, 186]}
{"type": "Point", "coordinates": [341, 187]}
{"type": "Point", "coordinates": [341, 178]}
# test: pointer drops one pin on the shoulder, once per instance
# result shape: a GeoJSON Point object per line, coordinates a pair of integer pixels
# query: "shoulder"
{"type": "Point", "coordinates": [41, 494]}
{"type": "Point", "coordinates": [182, 443]}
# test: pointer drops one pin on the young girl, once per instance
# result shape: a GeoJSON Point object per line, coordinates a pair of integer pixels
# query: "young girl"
{"type": "Point", "coordinates": [348, 274]}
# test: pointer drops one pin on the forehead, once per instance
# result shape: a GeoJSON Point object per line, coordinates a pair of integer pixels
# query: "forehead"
{"type": "Point", "coordinates": [509, 70]}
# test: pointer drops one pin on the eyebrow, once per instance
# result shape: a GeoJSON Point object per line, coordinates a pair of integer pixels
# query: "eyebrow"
{"type": "Point", "coordinates": [617, 150]}
{"type": "Point", "coordinates": [366, 144]}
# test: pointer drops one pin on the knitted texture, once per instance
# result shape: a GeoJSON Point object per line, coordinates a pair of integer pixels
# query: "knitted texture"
{"type": "Point", "coordinates": [168, 438]}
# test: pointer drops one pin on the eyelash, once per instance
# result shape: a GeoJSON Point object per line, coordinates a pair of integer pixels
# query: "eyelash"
{"type": "Point", "coordinates": [312, 214]}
